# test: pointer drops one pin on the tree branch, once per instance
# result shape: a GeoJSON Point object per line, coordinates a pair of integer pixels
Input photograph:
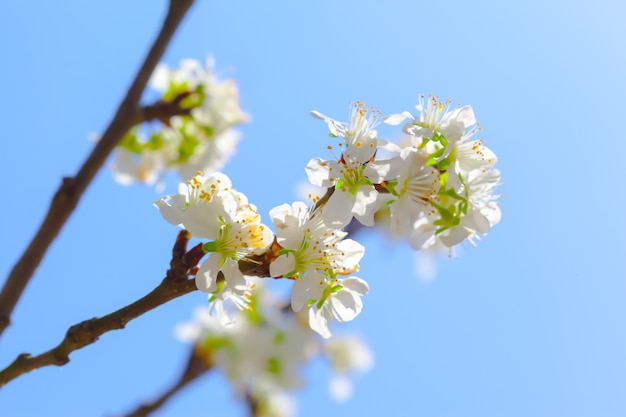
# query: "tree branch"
{"type": "Point", "coordinates": [164, 110]}
{"type": "Point", "coordinates": [87, 332]}
{"type": "Point", "coordinates": [71, 189]}
{"type": "Point", "coordinates": [196, 367]}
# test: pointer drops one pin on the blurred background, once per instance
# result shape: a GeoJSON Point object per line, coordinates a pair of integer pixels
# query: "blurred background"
{"type": "Point", "coordinates": [532, 322]}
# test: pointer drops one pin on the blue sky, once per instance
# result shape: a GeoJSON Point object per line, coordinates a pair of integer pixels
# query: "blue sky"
{"type": "Point", "coordinates": [530, 323]}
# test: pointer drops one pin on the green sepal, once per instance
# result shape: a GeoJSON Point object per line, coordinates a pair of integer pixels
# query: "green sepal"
{"type": "Point", "coordinates": [213, 343]}
{"type": "Point", "coordinates": [187, 146]}
{"type": "Point", "coordinates": [174, 89]}
{"type": "Point", "coordinates": [336, 288]}
{"type": "Point", "coordinates": [450, 193]}
{"type": "Point", "coordinates": [156, 141]}
{"type": "Point", "coordinates": [130, 142]}
{"type": "Point", "coordinates": [449, 217]}
{"type": "Point", "coordinates": [280, 336]}
{"type": "Point", "coordinates": [391, 187]}
{"type": "Point", "coordinates": [444, 163]}
{"type": "Point", "coordinates": [209, 247]}
{"type": "Point", "coordinates": [273, 366]}
{"type": "Point", "coordinates": [438, 137]}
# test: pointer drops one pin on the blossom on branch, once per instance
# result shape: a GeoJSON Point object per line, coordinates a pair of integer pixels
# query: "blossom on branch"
{"type": "Point", "coordinates": [314, 255]}
{"type": "Point", "coordinates": [198, 113]}
{"type": "Point", "coordinates": [355, 173]}
{"type": "Point", "coordinates": [209, 208]}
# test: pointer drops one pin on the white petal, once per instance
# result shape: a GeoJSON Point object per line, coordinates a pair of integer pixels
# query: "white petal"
{"type": "Point", "coordinates": [346, 305]}
{"type": "Point", "coordinates": [465, 115]}
{"type": "Point", "coordinates": [366, 205]}
{"type": "Point", "coordinates": [207, 273]}
{"type": "Point", "coordinates": [396, 119]}
{"type": "Point", "coordinates": [454, 236]}
{"type": "Point", "coordinates": [475, 220]}
{"type": "Point", "coordinates": [299, 294]}
{"type": "Point", "coordinates": [318, 172]}
{"type": "Point", "coordinates": [201, 220]}
{"type": "Point", "coordinates": [422, 236]}
{"type": "Point", "coordinates": [318, 323]}
{"type": "Point", "coordinates": [382, 170]}
{"type": "Point", "coordinates": [351, 251]}
{"type": "Point", "coordinates": [337, 212]}
{"type": "Point", "coordinates": [356, 285]}
{"type": "Point", "coordinates": [233, 276]}
{"type": "Point", "coordinates": [340, 388]}
{"type": "Point", "coordinates": [159, 79]}
{"type": "Point", "coordinates": [282, 265]}
{"type": "Point", "coordinates": [170, 208]}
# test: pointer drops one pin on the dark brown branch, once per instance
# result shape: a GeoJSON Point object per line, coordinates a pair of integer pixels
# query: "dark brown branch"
{"type": "Point", "coordinates": [87, 332]}
{"type": "Point", "coordinates": [198, 365]}
{"type": "Point", "coordinates": [253, 404]}
{"type": "Point", "coordinates": [67, 197]}
{"type": "Point", "coordinates": [164, 110]}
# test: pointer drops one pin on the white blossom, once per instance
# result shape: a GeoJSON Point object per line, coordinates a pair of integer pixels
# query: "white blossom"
{"type": "Point", "coordinates": [340, 300]}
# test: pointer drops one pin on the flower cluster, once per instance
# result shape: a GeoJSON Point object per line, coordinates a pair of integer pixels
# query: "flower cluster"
{"type": "Point", "coordinates": [437, 190]}
{"type": "Point", "coordinates": [201, 137]}
{"type": "Point", "coordinates": [315, 255]}
{"type": "Point", "coordinates": [264, 351]}
{"type": "Point", "coordinates": [209, 208]}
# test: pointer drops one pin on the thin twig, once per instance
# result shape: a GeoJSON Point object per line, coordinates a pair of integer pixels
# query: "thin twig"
{"type": "Point", "coordinates": [71, 189]}
{"type": "Point", "coordinates": [87, 332]}
{"type": "Point", "coordinates": [197, 366]}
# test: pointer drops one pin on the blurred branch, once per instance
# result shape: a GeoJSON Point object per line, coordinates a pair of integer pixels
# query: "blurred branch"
{"type": "Point", "coordinates": [66, 198]}
{"type": "Point", "coordinates": [253, 404]}
{"type": "Point", "coordinates": [197, 366]}
{"type": "Point", "coordinates": [164, 110]}
{"type": "Point", "coordinates": [175, 284]}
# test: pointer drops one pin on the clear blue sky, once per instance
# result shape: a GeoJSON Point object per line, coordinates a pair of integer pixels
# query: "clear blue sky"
{"type": "Point", "coordinates": [531, 323]}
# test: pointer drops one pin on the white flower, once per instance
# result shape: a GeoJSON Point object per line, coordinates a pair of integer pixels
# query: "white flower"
{"type": "Point", "coordinates": [272, 401]}
{"type": "Point", "coordinates": [482, 211]}
{"type": "Point", "coordinates": [199, 204]}
{"type": "Point", "coordinates": [356, 172]}
{"type": "Point", "coordinates": [129, 167]}
{"type": "Point", "coordinates": [210, 155]}
{"type": "Point", "coordinates": [354, 193]}
{"type": "Point", "coordinates": [347, 355]}
{"type": "Point", "coordinates": [471, 212]}
{"type": "Point", "coordinates": [417, 185]}
{"type": "Point", "coordinates": [434, 119]}
{"type": "Point", "coordinates": [312, 252]}
{"type": "Point", "coordinates": [239, 235]}
{"type": "Point", "coordinates": [233, 288]}
{"type": "Point", "coordinates": [340, 300]}
{"type": "Point", "coordinates": [219, 109]}
{"type": "Point", "coordinates": [209, 208]}
{"type": "Point", "coordinates": [467, 156]}
{"type": "Point", "coordinates": [309, 245]}
{"type": "Point", "coordinates": [204, 325]}
{"type": "Point", "coordinates": [202, 140]}
{"type": "Point", "coordinates": [360, 138]}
